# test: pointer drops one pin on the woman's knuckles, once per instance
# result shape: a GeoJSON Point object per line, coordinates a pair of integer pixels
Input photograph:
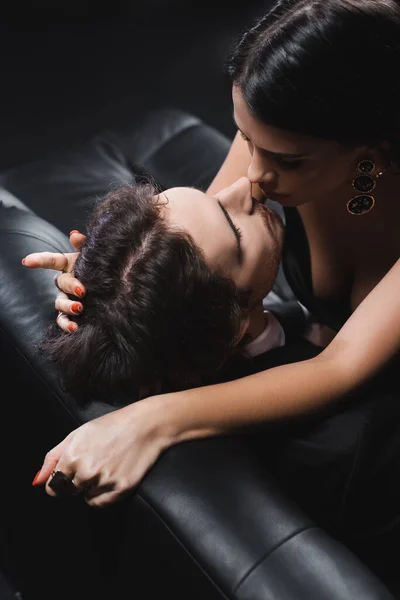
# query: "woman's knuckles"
{"type": "Point", "coordinates": [67, 283]}
{"type": "Point", "coordinates": [51, 457]}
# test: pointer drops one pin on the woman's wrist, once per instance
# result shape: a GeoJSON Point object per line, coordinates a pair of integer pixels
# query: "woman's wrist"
{"type": "Point", "coordinates": [164, 416]}
{"type": "Point", "coordinates": [182, 416]}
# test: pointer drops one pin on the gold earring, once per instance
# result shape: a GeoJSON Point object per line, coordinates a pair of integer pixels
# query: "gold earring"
{"type": "Point", "coordinates": [365, 183]}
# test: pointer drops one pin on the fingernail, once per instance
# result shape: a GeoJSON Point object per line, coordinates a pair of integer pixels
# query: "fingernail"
{"type": "Point", "coordinates": [74, 231]}
{"type": "Point", "coordinates": [76, 307]}
{"type": "Point", "coordinates": [78, 292]}
{"type": "Point", "coordinates": [35, 478]}
{"type": "Point", "coordinates": [72, 327]}
{"type": "Point", "coordinates": [23, 261]}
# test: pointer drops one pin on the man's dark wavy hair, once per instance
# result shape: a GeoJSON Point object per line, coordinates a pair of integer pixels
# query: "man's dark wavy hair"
{"type": "Point", "coordinates": [324, 68]}
{"type": "Point", "coordinates": [154, 312]}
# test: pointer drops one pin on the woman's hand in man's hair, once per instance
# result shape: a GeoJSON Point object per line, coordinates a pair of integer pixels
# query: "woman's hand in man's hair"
{"type": "Point", "coordinates": [64, 279]}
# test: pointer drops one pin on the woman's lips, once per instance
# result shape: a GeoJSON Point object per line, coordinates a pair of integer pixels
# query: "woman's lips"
{"type": "Point", "coordinates": [274, 195]}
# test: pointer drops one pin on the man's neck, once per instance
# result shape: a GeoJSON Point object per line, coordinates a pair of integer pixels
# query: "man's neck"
{"type": "Point", "coordinates": [258, 321]}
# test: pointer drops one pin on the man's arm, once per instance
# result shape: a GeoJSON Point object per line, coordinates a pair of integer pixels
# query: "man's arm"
{"type": "Point", "coordinates": [234, 166]}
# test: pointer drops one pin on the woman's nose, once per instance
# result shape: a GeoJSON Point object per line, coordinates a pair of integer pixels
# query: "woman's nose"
{"type": "Point", "coordinates": [259, 171]}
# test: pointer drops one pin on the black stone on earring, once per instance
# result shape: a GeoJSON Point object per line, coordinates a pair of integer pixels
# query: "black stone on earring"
{"type": "Point", "coordinates": [366, 166]}
{"type": "Point", "coordinates": [359, 205]}
{"type": "Point", "coordinates": [364, 183]}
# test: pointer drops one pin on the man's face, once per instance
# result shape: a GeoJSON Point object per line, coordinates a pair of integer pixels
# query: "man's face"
{"type": "Point", "coordinates": [240, 238]}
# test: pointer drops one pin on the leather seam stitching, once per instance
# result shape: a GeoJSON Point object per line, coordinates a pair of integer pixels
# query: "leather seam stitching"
{"type": "Point", "coordinates": [36, 237]}
{"type": "Point", "coordinates": [113, 139]}
{"type": "Point", "coordinates": [270, 552]}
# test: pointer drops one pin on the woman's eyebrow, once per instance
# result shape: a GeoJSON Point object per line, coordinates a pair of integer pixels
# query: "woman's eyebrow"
{"type": "Point", "coordinates": [284, 155]}
{"type": "Point", "coordinates": [235, 231]}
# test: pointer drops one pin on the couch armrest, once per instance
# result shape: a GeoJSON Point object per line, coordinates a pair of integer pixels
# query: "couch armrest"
{"type": "Point", "coordinates": [211, 500]}
{"type": "Point", "coordinates": [174, 147]}
{"type": "Point", "coordinates": [241, 530]}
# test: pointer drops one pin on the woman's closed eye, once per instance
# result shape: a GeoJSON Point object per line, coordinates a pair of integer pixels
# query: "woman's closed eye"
{"type": "Point", "coordinates": [285, 164]}
{"type": "Point", "coordinates": [246, 139]}
{"type": "Point", "coordinates": [289, 165]}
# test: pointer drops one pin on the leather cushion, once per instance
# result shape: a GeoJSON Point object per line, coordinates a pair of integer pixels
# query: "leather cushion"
{"type": "Point", "coordinates": [176, 148]}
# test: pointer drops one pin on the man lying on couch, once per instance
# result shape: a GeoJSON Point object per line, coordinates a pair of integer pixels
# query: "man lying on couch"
{"type": "Point", "coordinates": [169, 297]}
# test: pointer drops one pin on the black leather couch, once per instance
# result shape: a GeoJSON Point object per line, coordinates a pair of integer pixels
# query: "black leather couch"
{"type": "Point", "coordinates": [208, 521]}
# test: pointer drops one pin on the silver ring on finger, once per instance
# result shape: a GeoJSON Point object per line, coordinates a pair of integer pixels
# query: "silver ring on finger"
{"type": "Point", "coordinates": [55, 280]}
{"type": "Point", "coordinates": [65, 269]}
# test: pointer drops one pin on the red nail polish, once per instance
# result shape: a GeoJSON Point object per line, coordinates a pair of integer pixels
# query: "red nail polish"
{"type": "Point", "coordinates": [72, 327]}
{"type": "Point", "coordinates": [74, 231]}
{"type": "Point", "coordinates": [35, 478]}
{"type": "Point", "coordinates": [76, 307]}
{"type": "Point", "coordinates": [78, 292]}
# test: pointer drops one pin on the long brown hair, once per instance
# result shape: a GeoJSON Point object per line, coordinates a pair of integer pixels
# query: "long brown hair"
{"type": "Point", "coordinates": [324, 68]}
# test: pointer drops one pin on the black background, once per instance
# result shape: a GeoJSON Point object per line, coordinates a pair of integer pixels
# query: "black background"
{"type": "Point", "coordinates": [69, 72]}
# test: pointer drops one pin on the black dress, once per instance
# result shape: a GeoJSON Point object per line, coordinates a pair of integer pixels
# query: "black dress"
{"type": "Point", "coordinates": [342, 463]}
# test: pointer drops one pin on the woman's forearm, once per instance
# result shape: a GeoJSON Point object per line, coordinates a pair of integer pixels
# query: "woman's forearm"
{"type": "Point", "coordinates": [367, 341]}
{"type": "Point", "coordinates": [277, 393]}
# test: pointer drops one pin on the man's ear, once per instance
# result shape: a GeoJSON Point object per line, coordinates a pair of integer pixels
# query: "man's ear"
{"type": "Point", "coordinates": [244, 327]}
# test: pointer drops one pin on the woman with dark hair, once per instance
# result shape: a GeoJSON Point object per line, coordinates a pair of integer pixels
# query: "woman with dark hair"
{"type": "Point", "coordinates": [162, 310]}
{"type": "Point", "coordinates": [316, 98]}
